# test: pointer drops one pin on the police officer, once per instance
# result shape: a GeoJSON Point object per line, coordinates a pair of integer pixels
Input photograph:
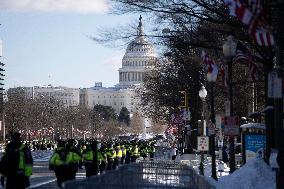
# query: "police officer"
{"type": "Point", "coordinates": [118, 155]}
{"type": "Point", "coordinates": [123, 149]}
{"type": "Point", "coordinates": [103, 162]}
{"type": "Point", "coordinates": [134, 153]}
{"type": "Point", "coordinates": [111, 155]}
{"type": "Point", "coordinates": [91, 159]}
{"type": "Point", "coordinates": [152, 150]}
{"type": "Point", "coordinates": [16, 163]}
{"type": "Point", "coordinates": [57, 162]}
{"type": "Point", "coordinates": [72, 159]}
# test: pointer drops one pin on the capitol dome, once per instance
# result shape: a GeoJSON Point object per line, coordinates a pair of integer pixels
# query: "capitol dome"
{"type": "Point", "coordinates": [139, 56]}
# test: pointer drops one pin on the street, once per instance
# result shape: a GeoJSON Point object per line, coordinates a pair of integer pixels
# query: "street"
{"type": "Point", "coordinates": [44, 178]}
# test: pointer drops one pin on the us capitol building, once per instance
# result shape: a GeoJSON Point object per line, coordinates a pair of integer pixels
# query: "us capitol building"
{"type": "Point", "coordinates": [138, 59]}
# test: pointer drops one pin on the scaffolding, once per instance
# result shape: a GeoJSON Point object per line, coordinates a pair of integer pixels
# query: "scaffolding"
{"type": "Point", "coordinates": [145, 175]}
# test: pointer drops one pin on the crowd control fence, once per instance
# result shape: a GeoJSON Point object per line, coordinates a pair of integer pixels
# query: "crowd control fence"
{"type": "Point", "coordinates": [145, 175]}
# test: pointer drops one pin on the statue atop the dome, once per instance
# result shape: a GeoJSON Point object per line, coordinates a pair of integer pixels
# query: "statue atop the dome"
{"type": "Point", "coordinates": [140, 27]}
{"type": "Point", "coordinates": [140, 21]}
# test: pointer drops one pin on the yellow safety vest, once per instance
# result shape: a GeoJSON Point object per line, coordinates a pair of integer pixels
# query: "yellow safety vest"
{"type": "Point", "coordinates": [28, 168]}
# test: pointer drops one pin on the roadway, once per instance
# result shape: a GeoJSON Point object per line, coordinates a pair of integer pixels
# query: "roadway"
{"type": "Point", "coordinates": [43, 178]}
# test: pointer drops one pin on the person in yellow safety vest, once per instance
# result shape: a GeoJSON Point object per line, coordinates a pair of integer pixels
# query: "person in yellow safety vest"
{"type": "Point", "coordinates": [57, 162]}
{"type": "Point", "coordinates": [134, 153]}
{"type": "Point", "coordinates": [111, 155]}
{"type": "Point", "coordinates": [92, 159]}
{"type": "Point", "coordinates": [128, 153]}
{"type": "Point", "coordinates": [72, 159]}
{"type": "Point", "coordinates": [87, 156]}
{"type": "Point", "coordinates": [103, 162]}
{"type": "Point", "coordinates": [16, 163]}
{"type": "Point", "coordinates": [123, 149]}
{"type": "Point", "coordinates": [152, 150]}
{"type": "Point", "coordinates": [118, 154]}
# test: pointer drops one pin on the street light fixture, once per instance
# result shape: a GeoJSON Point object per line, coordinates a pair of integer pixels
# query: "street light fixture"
{"type": "Point", "coordinates": [229, 51]}
{"type": "Point", "coordinates": [202, 94]}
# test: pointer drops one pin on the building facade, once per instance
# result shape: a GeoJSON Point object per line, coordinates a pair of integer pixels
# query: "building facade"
{"type": "Point", "coordinates": [138, 59]}
{"type": "Point", "coordinates": [65, 96]}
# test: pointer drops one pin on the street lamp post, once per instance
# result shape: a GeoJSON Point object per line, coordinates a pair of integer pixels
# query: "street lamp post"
{"type": "Point", "coordinates": [202, 95]}
{"type": "Point", "coordinates": [229, 51]}
{"type": "Point", "coordinates": [212, 77]}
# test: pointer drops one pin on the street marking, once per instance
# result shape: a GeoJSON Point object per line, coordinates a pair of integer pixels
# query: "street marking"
{"type": "Point", "coordinates": [42, 183]}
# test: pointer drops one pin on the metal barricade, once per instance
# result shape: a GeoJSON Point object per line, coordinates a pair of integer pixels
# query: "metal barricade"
{"type": "Point", "coordinates": [145, 175]}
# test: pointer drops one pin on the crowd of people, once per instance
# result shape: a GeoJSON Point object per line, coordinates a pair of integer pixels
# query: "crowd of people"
{"type": "Point", "coordinates": [68, 157]}
{"type": "Point", "coordinates": [96, 156]}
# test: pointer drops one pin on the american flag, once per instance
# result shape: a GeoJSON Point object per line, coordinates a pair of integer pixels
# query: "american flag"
{"type": "Point", "coordinates": [251, 14]}
{"type": "Point", "coordinates": [209, 63]}
{"type": "Point", "coordinates": [244, 56]}
{"type": "Point", "coordinates": [172, 129]}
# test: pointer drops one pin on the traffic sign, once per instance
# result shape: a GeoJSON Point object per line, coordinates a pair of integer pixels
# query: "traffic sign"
{"type": "Point", "coordinates": [203, 143]}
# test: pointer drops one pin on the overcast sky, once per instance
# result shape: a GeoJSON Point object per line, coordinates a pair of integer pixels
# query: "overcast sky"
{"type": "Point", "coordinates": [44, 42]}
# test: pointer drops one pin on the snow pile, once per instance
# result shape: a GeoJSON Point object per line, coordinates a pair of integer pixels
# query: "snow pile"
{"type": "Point", "coordinates": [41, 155]}
{"type": "Point", "coordinates": [255, 174]}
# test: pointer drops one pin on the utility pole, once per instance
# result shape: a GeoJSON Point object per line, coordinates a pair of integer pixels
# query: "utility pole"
{"type": "Point", "coordinates": [2, 95]}
{"type": "Point", "coordinates": [277, 17]}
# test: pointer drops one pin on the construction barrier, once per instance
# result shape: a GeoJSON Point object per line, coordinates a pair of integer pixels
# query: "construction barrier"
{"type": "Point", "coordinates": [145, 175]}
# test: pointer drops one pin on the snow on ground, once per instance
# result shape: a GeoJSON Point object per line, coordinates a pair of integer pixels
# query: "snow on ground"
{"type": "Point", "coordinates": [41, 155]}
{"type": "Point", "coordinates": [255, 174]}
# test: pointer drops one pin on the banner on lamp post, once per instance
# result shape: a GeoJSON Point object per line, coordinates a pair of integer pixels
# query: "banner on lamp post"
{"type": "Point", "coordinates": [227, 108]}
{"type": "Point", "coordinates": [274, 85]}
{"type": "Point", "coordinates": [211, 128]}
{"type": "Point", "coordinates": [231, 125]}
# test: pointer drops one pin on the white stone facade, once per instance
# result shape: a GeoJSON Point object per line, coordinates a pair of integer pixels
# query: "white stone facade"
{"type": "Point", "coordinates": [138, 59]}
{"type": "Point", "coordinates": [116, 98]}
{"type": "Point", "coordinates": [65, 96]}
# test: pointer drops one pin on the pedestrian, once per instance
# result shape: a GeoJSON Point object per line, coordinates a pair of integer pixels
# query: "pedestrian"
{"type": "Point", "coordinates": [57, 163]}
{"type": "Point", "coordinates": [225, 158]}
{"type": "Point", "coordinates": [16, 163]}
{"type": "Point", "coordinates": [173, 152]}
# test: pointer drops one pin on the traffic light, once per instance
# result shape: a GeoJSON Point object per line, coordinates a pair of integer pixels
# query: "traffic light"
{"type": "Point", "coordinates": [183, 99]}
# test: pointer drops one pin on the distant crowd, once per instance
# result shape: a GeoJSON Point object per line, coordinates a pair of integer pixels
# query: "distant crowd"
{"type": "Point", "coordinates": [68, 157]}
